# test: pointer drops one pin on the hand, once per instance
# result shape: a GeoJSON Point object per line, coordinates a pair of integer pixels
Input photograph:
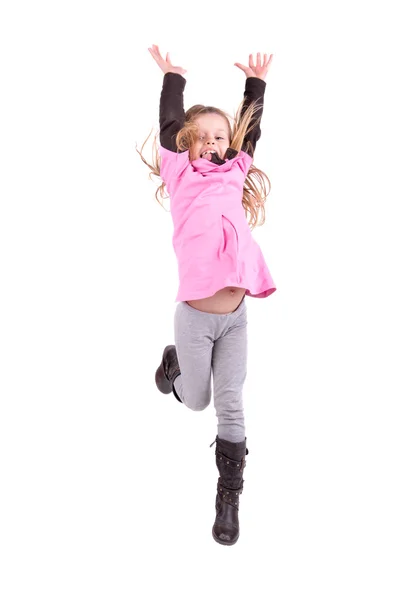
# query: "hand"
{"type": "Point", "coordinates": [259, 70]}
{"type": "Point", "coordinates": [165, 65]}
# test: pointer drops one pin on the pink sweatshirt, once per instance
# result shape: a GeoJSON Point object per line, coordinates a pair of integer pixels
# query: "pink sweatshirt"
{"type": "Point", "coordinates": [212, 240]}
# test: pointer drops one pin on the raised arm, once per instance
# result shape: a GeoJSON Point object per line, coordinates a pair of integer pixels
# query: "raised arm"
{"type": "Point", "coordinates": [254, 91]}
{"type": "Point", "coordinates": [172, 113]}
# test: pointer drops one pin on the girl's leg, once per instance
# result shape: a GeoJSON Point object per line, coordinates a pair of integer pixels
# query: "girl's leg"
{"type": "Point", "coordinates": [194, 346]}
{"type": "Point", "coordinates": [229, 366]}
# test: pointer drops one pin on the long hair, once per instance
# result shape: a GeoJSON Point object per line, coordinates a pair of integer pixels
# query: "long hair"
{"type": "Point", "coordinates": [254, 189]}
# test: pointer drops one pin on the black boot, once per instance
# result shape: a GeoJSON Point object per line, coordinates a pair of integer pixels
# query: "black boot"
{"type": "Point", "coordinates": [168, 371]}
{"type": "Point", "coordinates": [230, 460]}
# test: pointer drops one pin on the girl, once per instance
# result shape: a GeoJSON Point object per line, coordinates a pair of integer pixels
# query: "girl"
{"type": "Point", "coordinates": [206, 165]}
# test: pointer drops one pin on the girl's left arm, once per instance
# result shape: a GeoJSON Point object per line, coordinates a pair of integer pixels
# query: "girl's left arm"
{"type": "Point", "coordinates": [254, 92]}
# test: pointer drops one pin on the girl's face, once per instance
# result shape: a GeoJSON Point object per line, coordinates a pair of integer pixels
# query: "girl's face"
{"type": "Point", "coordinates": [213, 136]}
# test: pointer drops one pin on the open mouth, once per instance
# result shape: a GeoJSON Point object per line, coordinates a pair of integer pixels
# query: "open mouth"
{"type": "Point", "coordinates": [207, 154]}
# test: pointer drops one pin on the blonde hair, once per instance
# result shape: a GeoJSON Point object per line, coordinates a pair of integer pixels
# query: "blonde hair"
{"type": "Point", "coordinates": [254, 188]}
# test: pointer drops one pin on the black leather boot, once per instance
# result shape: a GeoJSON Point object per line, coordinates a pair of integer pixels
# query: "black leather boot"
{"type": "Point", "coordinates": [168, 371]}
{"type": "Point", "coordinates": [230, 459]}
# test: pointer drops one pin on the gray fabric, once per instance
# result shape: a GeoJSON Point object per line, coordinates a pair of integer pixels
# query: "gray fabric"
{"type": "Point", "coordinates": [213, 344]}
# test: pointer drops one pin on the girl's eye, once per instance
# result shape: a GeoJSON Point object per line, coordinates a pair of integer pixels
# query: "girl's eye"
{"type": "Point", "coordinates": [201, 137]}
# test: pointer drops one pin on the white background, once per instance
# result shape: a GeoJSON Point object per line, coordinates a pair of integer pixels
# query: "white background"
{"type": "Point", "coordinates": [108, 486]}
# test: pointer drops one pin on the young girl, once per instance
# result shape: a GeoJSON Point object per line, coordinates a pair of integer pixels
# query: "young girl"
{"type": "Point", "coordinates": [206, 166]}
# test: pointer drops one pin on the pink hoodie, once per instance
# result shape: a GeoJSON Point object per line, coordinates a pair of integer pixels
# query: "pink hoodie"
{"type": "Point", "coordinates": [212, 238]}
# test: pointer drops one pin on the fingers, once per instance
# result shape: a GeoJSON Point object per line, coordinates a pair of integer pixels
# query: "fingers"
{"type": "Point", "coordinates": [156, 54]}
{"type": "Point", "coordinates": [251, 63]}
{"type": "Point", "coordinates": [266, 61]}
{"type": "Point", "coordinates": [165, 64]}
{"type": "Point", "coordinates": [245, 69]}
{"type": "Point", "coordinates": [154, 51]}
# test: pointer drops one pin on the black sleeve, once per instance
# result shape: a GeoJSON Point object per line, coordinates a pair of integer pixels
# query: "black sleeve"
{"type": "Point", "coordinates": [254, 91]}
{"type": "Point", "coordinates": [172, 113]}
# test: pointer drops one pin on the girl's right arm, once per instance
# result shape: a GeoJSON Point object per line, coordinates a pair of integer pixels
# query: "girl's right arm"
{"type": "Point", "coordinates": [172, 113]}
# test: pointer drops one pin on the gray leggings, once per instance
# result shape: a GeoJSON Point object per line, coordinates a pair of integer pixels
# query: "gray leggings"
{"type": "Point", "coordinates": [206, 343]}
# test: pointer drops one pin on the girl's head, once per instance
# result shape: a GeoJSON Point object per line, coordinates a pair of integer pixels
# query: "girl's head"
{"type": "Point", "coordinates": [207, 129]}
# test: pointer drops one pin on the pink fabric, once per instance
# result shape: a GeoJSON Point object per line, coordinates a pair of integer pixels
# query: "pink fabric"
{"type": "Point", "coordinates": [212, 238]}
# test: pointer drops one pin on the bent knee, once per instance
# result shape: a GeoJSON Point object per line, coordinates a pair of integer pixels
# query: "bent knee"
{"type": "Point", "coordinates": [198, 402]}
{"type": "Point", "coordinates": [197, 407]}
{"type": "Point", "coordinates": [197, 399]}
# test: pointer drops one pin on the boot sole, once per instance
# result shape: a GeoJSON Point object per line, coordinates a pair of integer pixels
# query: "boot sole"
{"type": "Point", "coordinates": [163, 384]}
